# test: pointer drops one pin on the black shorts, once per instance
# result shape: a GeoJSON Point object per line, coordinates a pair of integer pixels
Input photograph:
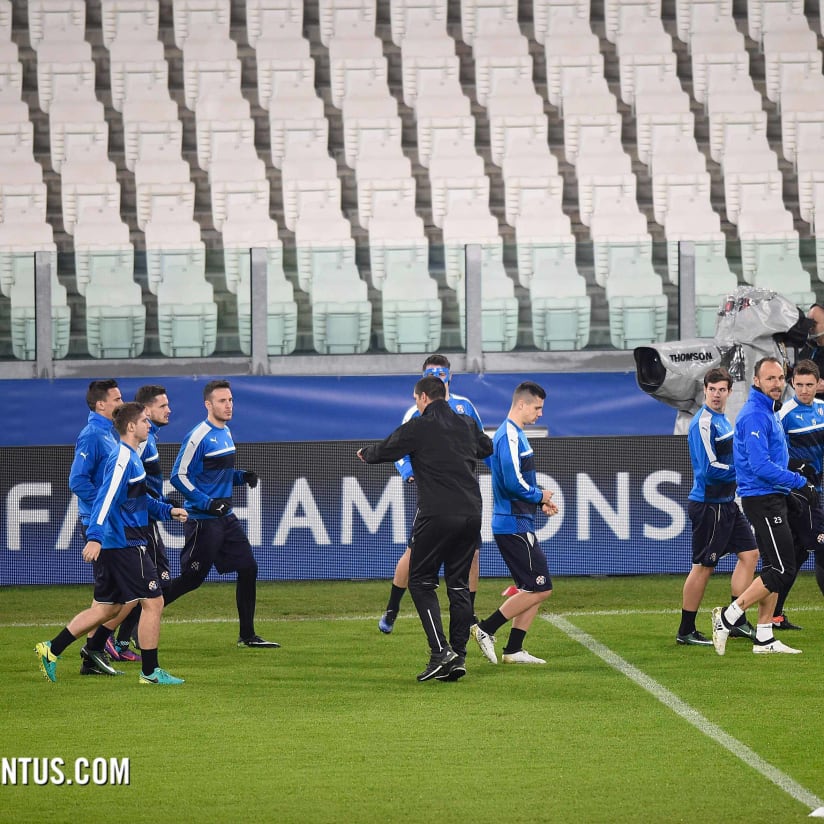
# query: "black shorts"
{"type": "Point", "coordinates": [526, 561]}
{"type": "Point", "coordinates": [807, 527]}
{"type": "Point", "coordinates": [718, 530]}
{"type": "Point", "coordinates": [125, 575]}
{"type": "Point", "coordinates": [215, 541]}
{"type": "Point", "coordinates": [768, 516]}
{"type": "Point", "coordinates": [157, 550]}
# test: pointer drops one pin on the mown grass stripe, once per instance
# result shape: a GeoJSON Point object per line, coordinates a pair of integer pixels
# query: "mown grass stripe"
{"type": "Point", "coordinates": [688, 713]}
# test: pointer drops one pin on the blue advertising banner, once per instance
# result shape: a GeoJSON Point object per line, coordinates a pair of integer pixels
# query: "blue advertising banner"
{"type": "Point", "coordinates": [307, 408]}
{"type": "Point", "coordinates": [318, 513]}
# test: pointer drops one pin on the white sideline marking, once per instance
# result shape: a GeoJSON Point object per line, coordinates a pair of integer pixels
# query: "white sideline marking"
{"type": "Point", "coordinates": [692, 716]}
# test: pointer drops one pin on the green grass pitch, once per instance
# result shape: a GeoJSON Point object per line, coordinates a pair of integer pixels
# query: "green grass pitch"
{"type": "Point", "coordinates": [333, 727]}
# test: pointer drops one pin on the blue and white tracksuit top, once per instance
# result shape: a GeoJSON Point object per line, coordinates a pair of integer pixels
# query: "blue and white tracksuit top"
{"type": "Point", "coordinates": [804, 426]}
{"type": "Point", "coordinates": [460, 404]}
{"type": "Point", "coordinates": [205, 468]}
{"type": "Point", "coordinates": [122, 508]}
{"type": "Point", "coordinates": [760, 450]}
{"type": "Point", "coordinates": [516, 494]}
{"type": "Point", "coordinates": [710, 443]}
{"type": "Point", "coordinates": [94, 444]}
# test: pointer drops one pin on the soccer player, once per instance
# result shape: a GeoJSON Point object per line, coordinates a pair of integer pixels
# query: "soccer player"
{"type": "Point", "coordinates": [205, 474]}
{"type": "Point", "coordinates": [516, 497]}
{"type": "Point", "coordinates": [803, 420]}
{"type": "Point", "coordinates": [718, 525]}
{"type": "Point", "coordinates": [443, 448]}
{"type": "Point", "coordinates": [156, 401]}
{"type": "Point", "coordinates": [813, 349]}
{"type": "Point", "coordinates": [94, 444]}
{"type": "Point", "coordinates": [764, 484]}
{"type": "Point", "coordinates": [437, 366]}
{"type": "Point", "coordinates": [116, 544]}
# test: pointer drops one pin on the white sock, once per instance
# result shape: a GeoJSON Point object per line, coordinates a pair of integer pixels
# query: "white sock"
{"type": "Point", "coordinates": [764, 632]}
{"type": "Point", "coordinates": [733, 613]}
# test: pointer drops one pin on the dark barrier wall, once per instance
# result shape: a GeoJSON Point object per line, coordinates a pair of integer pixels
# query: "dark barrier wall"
{"type": "Point", "coordinates": [319, 513]}
{"type": "Point", "coordinates": [42, 413]}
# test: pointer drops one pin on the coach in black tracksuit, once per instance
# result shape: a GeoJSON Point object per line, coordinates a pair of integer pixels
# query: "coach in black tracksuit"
{"type": "Point", "coordinates": [443, 447]}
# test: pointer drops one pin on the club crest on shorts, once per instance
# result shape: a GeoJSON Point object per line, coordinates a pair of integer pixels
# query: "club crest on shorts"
{"type": "Point", "coordinates": [152, 585]}
{"type": "Point", "coordinates": [540, 580]}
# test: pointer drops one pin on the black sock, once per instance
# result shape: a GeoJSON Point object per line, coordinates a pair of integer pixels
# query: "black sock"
{"type": "Point", "coordinates": [128, 625]}
{"type": "Point", "coordinates": [148, 660]}
{"type": "Point", "coordinates": [394, 603]}
{"type": "Point", "coordinates": [515, 642]}
{"type": "Point", "coordinates": [97, 641]}
{"type": "Point", "coordinates": [245, 596]}
{"type": "Point", "coordinates": [61, 641]}
{"type": "Point", "coordinates": [687, 621]}
{"type": "Point", "coordinates": [492, 624]}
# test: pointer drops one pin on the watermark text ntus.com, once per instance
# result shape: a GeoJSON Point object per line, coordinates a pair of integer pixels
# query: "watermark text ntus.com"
{"type": "Point", "coordinates": [26, 771]}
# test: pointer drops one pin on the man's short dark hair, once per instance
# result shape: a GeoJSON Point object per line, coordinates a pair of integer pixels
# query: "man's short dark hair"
{"type": "Point", "coordinates": [716, 375]}
{"type": "Point", "coordinates": [762, 361]}
{"type": "Point", "coordinates": [529, 388]}
{"type": "Point", "coordinates": [807, 367]}
{"type": "Point", "coordinates": [129, 412]}
{"type": "Point", "coordinates": [99, 391]}
{"type": "Point", "coordinates": [436, 360]}
{"type": "Point", "coordinates": [146, 394]}
{"type": "Point", "coordinates": [434, 388]}
{"type": "Point", "coordinates": [213, 385]}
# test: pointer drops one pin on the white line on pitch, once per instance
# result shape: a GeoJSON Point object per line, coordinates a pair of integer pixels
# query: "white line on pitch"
{"type": "Point", "coordinates": [692, 716]}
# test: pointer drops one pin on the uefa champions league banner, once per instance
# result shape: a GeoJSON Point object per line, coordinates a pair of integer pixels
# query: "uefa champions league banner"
{"type": "Point", "coordinates": [319, 513]}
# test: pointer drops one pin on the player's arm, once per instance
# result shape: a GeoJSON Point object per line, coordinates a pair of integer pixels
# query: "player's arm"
{"type": "Point", "coordinates": [509, 467]}
{"type": "Point", "coordinates": [187, 466]}
{"type": "Point", "coordinates": [110, 496]}
{"type": "Point", "coordinates": [403, 464]}
{"type": "Point", "coordinates": [397, 445]}
{"type": "Point", "coordinates": [83, 464]}
{"type": "Point", "coordinates": [762, 465]}
{"type": "Point", "coordinates": [715, 471]}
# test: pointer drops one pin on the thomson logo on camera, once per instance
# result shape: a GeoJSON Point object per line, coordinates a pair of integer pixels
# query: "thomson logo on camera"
{"type": "Point", "coordinates": [682, 357]}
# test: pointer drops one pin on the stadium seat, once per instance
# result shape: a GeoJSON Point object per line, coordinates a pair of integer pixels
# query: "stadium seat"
{"type": "Point", "coordinates": [558, 299]}
{"type": "Point", "coordinates": [101, 240]}
{"type": "Point", "coordinates": [617, 13]}
{"type": "Point", "coordinates": [281, 309]}
{"type": "Point", "coordinates": [416, 19]}
{"type": "Point", "coordinates": [308, 177]}
{"type": "Point", "coordinates": [222, 120]}
{"type": "Point", "coordinates": [383, 179]}
{"type": "Point", "coordinates": [23, 318]}
{"type": "Point", "coordinates": [134, 65]}
{"type": "Point", "coordinates": [56, 20]}
{"type": "Point", "coordinates": [546, 233]}
{"type": "Point", "coordinates": [252, 229]}
{"type": "Point", "coordinates": [186, 313]}
{"type": "Point", "coordinates": [65, 71]}
{"type": "Point", "coordinates": [718, 54]}
{"type": "Point", "coordinates": [410, 308]}
{"type": "Point", "coordinates": [714, 280]}
{"type": "Point", "coordinates": [237, 180]}
{"type": "Point", "coordinates": [280, 76]}
{"type": "Point", "coordinates": [352, 15]}
{"type": "Point", "coordinates": [395, 230]}
{"type": "Point", "coordinates": [209, 65]}
{"type": "Point", "coordinates": [690, 14]}
{"type": "Point", "coordinates": [474, 13]}
{"type": "Point", "coordinates": [733, 110]}
{"type": "Point", "coordinates": [21, 235]}
{"type": "Point", "coordinates": [162, 182]}
{"type": "Point", "coordinates": [323, 238]}
{"type": "Point", "coordinates": [530, 170]}
{"type": "Point", "coordinates": [201, 19]}
{"type": "Point", "coordinates": [341, 313]}
{"type": "Point", "coordinates": [618, 230]}
{"type": "Point", "coordinates": [74, 124]}
{"type": "Point", "coordinates": [637, 304]}
{"type": "Point", "coordinates": [465, 224]}
{"type": "Point", "coordinates": [692, 219]}
{"type": "Point", "coordinates": [550, 15]}
{"type": "Point", "coordinates": [273, 19]}
{"type": "Point", "coordinates": [454, 178]}
{"type": "Point", "coordinates": [499, 308]}
{"type": "Point", "coordinates": [88, 180]}
{"type": "Point", "coordinates": [173, 242]}
{"type": "Point", "coordinates": [129, 19]}
{"type": "Point", "coordinates": [765, 227]}
{"type": "Point", "coordinates": [148, 124]}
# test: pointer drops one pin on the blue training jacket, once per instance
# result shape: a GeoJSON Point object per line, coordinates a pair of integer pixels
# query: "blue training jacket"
{"type": "Point", "coordinates": [516, 494]}
{"type": "Point", "coordinates": [93, 446]}
{"type": "Point", "coordinates": [804, 426]}
{"type": "Point", "coordinates": [710, 443]}
{"type": "Point", "coordinates": [122, 508]}
{"type": "Point", "coordinates": [460, 404]}
{"type": "Point", "coordinates": [760, 450]}
{"type": "Point", "coordinates": [205, 468]}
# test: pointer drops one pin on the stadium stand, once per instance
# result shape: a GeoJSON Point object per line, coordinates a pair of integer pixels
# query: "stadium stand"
{"type": "Point", "coordinates": [364, 144]}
